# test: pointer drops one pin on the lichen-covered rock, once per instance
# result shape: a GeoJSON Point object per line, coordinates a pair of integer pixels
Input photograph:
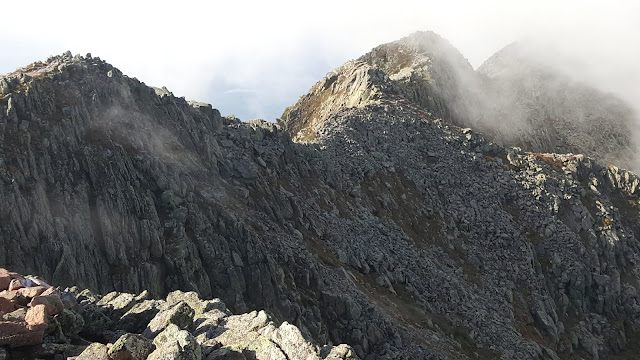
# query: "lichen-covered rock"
{"type": "Point", "coordinates": [95, 351]}
{"type": "Point", "coordinates": [180, 314]}
{"type": "Point", "coordinates": [131, 347]}
{"type": "Point", "coordinates": [136, 319]}
{"type": "Point", "coordinates": [71, 322]}
{"type": "Point", "coordinates": [173, 343]}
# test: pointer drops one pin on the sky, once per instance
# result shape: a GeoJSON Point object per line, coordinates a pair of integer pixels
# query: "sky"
{"type": "Point", "coordinates": [252, 59]}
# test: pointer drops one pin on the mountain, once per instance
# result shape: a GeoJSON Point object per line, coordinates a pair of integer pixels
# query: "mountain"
{"type": "Point", "coordinates": [516, 98]}
{"type": "Point", "coordinates": [384, 224]}
{"type": "Point", "coordinates": [558, 113]}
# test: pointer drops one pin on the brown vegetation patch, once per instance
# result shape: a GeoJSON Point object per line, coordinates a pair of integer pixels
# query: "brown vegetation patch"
{"type": "Point", "coordinates": [319, 248]}
{"type": "Point", "coordinates": [402, 307]}
{"type": "Point", "coordinates": [409, 215]}
{"type": "Point", "coordinates": [552, 160]}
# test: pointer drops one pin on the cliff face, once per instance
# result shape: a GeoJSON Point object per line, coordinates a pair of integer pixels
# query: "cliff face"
{"type": "Point", "coordinates": [384, 227]}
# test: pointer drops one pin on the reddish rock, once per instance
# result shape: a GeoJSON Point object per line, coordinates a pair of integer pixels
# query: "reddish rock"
{"type": "Point", "coordinates": [5, 280]}
{"type": "Point", "coordinates": [19, 334]}
{"type": "Point", "coordinates": [50, 298]}
{"type": "Point", "coordinates": [9, 295]}
{"type": "Point", "coordinates": [36, 317]}
{"type": "Point", "coordinates": [6, 305]}
{"type": "Point", "coordinates": [31, 292]}
{"type": "Point", "coordinates": [14, 297]}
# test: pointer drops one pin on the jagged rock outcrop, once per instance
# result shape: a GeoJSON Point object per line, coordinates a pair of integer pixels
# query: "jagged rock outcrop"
{"type": "Point", "coordinates": [387, 228]}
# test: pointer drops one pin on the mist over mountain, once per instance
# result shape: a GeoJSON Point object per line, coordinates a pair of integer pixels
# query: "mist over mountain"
{"type": "Point", "coordinates": [407, 207]}
{"type": "Point", "coordinates": [516, 98]}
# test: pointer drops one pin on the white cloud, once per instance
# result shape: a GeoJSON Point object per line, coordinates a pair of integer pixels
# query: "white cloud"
{"type": "Point", "coordinates": [241, 91]}
{"type": "Point", "coordinates": [200, 49]}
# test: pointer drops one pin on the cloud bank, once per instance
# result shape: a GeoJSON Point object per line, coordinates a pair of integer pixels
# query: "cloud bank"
{"type": "Point", "coordinates": [209, 51]}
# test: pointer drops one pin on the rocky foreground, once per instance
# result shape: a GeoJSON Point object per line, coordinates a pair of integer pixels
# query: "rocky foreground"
{"type": "Point", "coordinates": [39, 321]}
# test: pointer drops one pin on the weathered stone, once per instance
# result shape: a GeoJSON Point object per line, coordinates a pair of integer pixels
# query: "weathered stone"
{"type": "Point", "coordinates": [5, 280]}
{"type": "Point", "coordinates": [36, 317]}
{"type": "Point", "coordinates": [71, 322]}
{"type": "Point", "coordinates": [180, 314]}
{"type": "Point", "coordinates": [138, 317]}
{"type": "Point", "coordinates": [95, 351]}
{"type": "Point", "coordinates": [6, 306]}
{"type": "Point", "coordinates": [173, 343]}
{"type": "Point", "coordinates": [31, 292]}
{"type": "Point", "coordinates": [50, 298]}
{"type": "Point", "coordinates": [226, 354]}
{"type": "Point", "coordinates": [131, 347]}
{"type": "Point", "coordinates": [20, 334]}
{"type": "Point", "coordinates": [16, 315]}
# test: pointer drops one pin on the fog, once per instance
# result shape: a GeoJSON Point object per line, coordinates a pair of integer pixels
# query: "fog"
{"type": "Point", "coordinates": [252, 59]}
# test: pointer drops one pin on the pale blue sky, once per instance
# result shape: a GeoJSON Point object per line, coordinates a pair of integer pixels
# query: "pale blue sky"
{"type": "Point", "coordinates": [254, 58]}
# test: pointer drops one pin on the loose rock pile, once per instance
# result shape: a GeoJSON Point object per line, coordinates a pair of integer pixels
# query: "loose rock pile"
{"type": "Point", "coordinates": [40, 321]}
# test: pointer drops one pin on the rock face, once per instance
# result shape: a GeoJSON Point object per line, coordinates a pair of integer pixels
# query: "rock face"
{"type": "Point", "coordinates": [383, 227]}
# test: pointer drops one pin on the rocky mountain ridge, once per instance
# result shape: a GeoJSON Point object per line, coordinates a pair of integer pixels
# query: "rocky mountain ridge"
{"type": "Point", "coordinates": [516, 98]}
{"type": "Point", "coordinates": [385, 227]}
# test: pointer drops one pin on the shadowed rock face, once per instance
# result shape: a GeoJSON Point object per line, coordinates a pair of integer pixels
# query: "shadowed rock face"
{"type": "Point", "coordinates": [385, 228]}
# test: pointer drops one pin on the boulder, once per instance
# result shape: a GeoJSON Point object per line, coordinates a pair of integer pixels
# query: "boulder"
{"type": "Point", "coordinates": [5, 279]}
{"type": "Point", "coordinates": [95, 351]}
{"type": "Point", "coordinates": [180, 314]}
{"type": "Point", "coordinates": [71, 322]}
{"type": "Point", "coordinates": [16, 315]}
{"type": "Point", "coordinates": [341, 352]}
{"type": "Point", "coordinates": [173, 343]}
{"type": "Point", "coordinates": [131, 347]}
{"type": "Point", "coordinates": [51, 299]}
{"type": "Point", "coordinates": [20, 333]}
{"type": "Point", "coordinates": [6, 306]}
{"type": "Point", "coordinates": [36, 317]}
{"type": "Point", "coordinates": [136, 319]}
{"type": "Point", "coordinates": [31, 292]}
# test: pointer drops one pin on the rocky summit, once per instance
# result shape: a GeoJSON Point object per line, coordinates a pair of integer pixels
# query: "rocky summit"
{"type": "Point", "coordinates": [385, 211]}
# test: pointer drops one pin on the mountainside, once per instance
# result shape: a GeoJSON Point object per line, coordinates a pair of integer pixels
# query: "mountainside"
{"type": "Point", "coordinates": [556, 113]}
{"type": "Point", "coordinates": [515, 98]}
{"type": "Point", "coordinates": [382, 226]}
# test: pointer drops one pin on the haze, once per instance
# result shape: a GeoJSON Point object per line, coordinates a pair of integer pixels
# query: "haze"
{"type": "Point", "coordinates": [252, 59]}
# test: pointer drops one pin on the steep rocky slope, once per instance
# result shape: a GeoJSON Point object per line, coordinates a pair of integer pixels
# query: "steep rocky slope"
{"type": "Point", "coordinates": [390, 230]}
{"type": "Point", "coordinates": [516, 98]}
